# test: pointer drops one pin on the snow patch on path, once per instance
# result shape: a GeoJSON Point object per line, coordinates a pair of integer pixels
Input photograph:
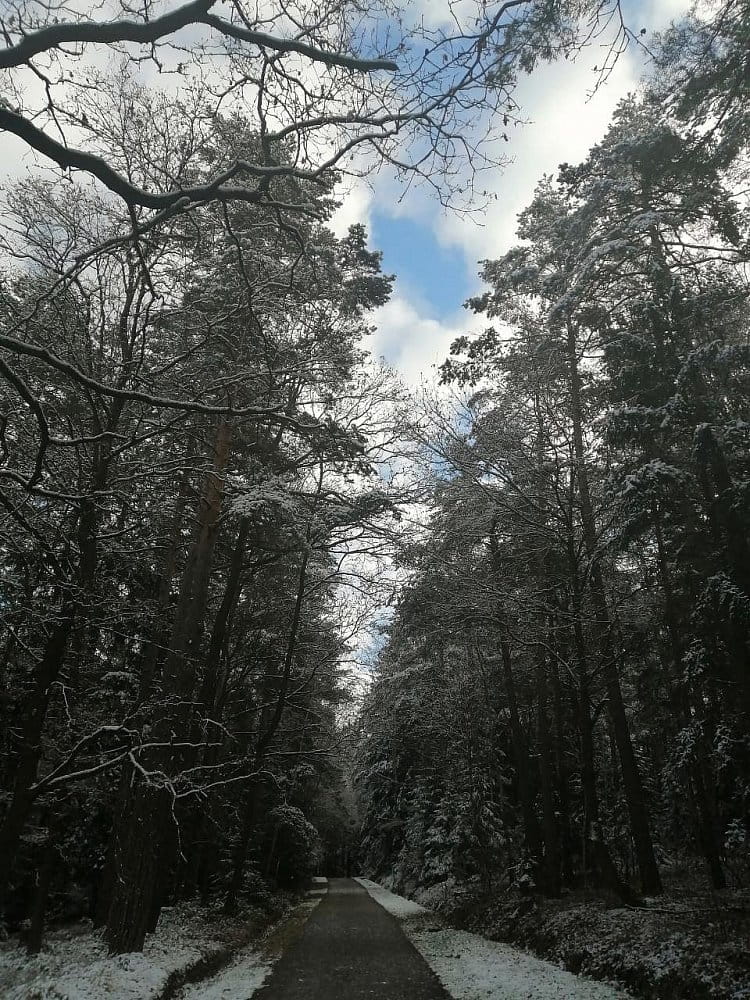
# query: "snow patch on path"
{"type": "Point", "coordinates": [472, 968]}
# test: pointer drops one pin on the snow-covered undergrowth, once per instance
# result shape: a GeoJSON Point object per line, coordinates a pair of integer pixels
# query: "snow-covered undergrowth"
{"type": "Point", "coordinates": [690, 944]}
{"type": "Point", "coordinates": [74, 964]}
{"type": "Point", "coordinates": [251, 966]}
{"type": "Point", "coordinates": [473, 968]}
{"type": "Point", "coordinates": [681, 947]}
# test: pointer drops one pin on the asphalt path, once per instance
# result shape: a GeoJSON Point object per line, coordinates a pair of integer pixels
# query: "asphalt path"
{"type": "Point", "coordinates": [351, 949]}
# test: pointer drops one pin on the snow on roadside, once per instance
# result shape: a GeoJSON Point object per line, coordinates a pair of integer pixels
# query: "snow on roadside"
{"type": "Point", "coordinates": [398, 906]}
{"type": "Point", "coordinates": [251, 966]}
{"type": "Point", "coordinates": [473, 968]}
{"type": "Point", "coordinates": [319, 886]}
{"type": "Point", "coordinates": [74, 964]}
{"type": "Point", "coordinates": [241, 978]}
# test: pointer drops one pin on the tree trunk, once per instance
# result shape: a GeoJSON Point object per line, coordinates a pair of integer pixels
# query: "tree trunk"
{"type": "Point", "coordinates": [550, 828]}
{"type": "Point", "coordinates": [138, 835]}
{"type": "Point", "coordinates": [550, 831]}
{"type": "Point", "coordinates": [159, 637]}
{"type": "Point", "coordinates": [265, 739]}
{"type": "Point", "coordinates": [523, 764]}
{"type": "Point", "coordinates": [242, 845]}
{"type": "Point", "coordinates": [632, 785]}
{"type": "Point", "coordinates": [179, 669]}
{"type": "Point", "coordinates": [213, 679]}
{"type": "Point", "coordinates": [45, 674]}
{"type": "Point", "coordinates": [140, 847]}
{"type": "Point", "coordinates": [561, 768]}
{"type": "Point", "coordinates": [45, 872]}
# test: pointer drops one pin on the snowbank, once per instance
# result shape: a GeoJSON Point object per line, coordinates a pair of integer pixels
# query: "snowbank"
{"type": "Point", "coordinates": [75, 966]}
{"type": "Point", "coordinates": [473, 968]}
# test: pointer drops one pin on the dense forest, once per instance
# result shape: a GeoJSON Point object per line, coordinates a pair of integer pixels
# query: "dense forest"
{"type": "Point", "coordinates": [209, 490]}
{"type": "Point", "coordinates": [564, 695]}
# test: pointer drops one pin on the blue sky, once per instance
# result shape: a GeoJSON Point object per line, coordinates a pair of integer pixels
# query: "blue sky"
{"type": "Point", "coordinates": [434, 275]}
{"type": "Point", "coordinates": [435, 255]}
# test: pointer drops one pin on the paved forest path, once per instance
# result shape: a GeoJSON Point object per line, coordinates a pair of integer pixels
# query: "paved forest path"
{"type": "Point", "coordinates": [351, 949]}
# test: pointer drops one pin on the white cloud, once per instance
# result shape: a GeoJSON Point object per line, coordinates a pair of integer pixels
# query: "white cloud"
{"type": "Point", "coordinates": [15, 160]}
{"type": "Point", "coordinates": [413, 344]}
{"type": "Point", "coordinates": [356, 206]}
{"type": "Point", "coordinates": [564, 124]}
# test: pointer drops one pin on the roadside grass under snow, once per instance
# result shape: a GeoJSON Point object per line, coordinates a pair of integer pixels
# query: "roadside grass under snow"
{"type": "Point", "coordinates": [74, 964]}
{"type": "Point", "coordinates": [472, 968]}
{"type": "Point", "coordinates": [251, 966]}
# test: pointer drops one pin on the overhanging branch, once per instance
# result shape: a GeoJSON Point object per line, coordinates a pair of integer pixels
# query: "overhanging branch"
{"type": "Point", "coordinates": [146, 32]}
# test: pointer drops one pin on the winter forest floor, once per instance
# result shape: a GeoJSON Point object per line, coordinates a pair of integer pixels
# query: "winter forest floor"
{"type": "Point", "coordinates": [189, 945]}
{"type": "Point", "coordinates": [458, 946]}
{"type": "Point", "coordinates": [690, 944]}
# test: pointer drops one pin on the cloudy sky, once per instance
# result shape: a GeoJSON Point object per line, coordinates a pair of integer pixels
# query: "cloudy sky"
{"type": "Point", "coordinates": [435, 255]}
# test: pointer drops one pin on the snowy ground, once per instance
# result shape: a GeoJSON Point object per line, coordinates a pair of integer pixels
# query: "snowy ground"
{"type": "Point", "coordinates": [74, 964]}
{"type": "Point", "coordinates": [473, 968]}
{"type": "Point", "coordinates": [251, 966]}
{"type": "Point", "coordinates": [320, 886]}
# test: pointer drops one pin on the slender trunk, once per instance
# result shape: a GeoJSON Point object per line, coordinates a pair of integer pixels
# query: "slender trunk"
{"type": "Point", "coordinates": [38, 913]}
{"type": "Point", "coordinates": [519, 746]}
{"type": "Point", "coordinates": [561, 768]}
{"type": "Point", "coordinates": [209, 701]}
{"type": "Point", "coordinates": [242, 846]}
{"type": "Point", "coordinates": [632, 785]}
{"type": "Point", "coordinates": [596, 851]}
{"type": "Point", "coordinates": [30, 749]}
{"type": "Point", "coordinates": [214, 680]}
{"type": "Point", "coordinates": [550, 829]}
{"type": "Point", "coordinates": [522, 762]}
{"type": "Point", "coordinates": [179, 669]}
{"type": "Point", "coordinates": [730, 530]}
{"type": "Point", "coordinates": [159, 636]}
{"type": "Point", "coordinates": [594, 841]}
{"type": "Point", "coordinates": [140, 847]}
{"type": "Point", "coordinates": [264, 741]}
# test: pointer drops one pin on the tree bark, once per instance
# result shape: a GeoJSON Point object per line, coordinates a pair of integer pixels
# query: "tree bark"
{"type": "Point", "coordinates": [214, 680]}
{"type": "Point", "coordinates": [138, 834]}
